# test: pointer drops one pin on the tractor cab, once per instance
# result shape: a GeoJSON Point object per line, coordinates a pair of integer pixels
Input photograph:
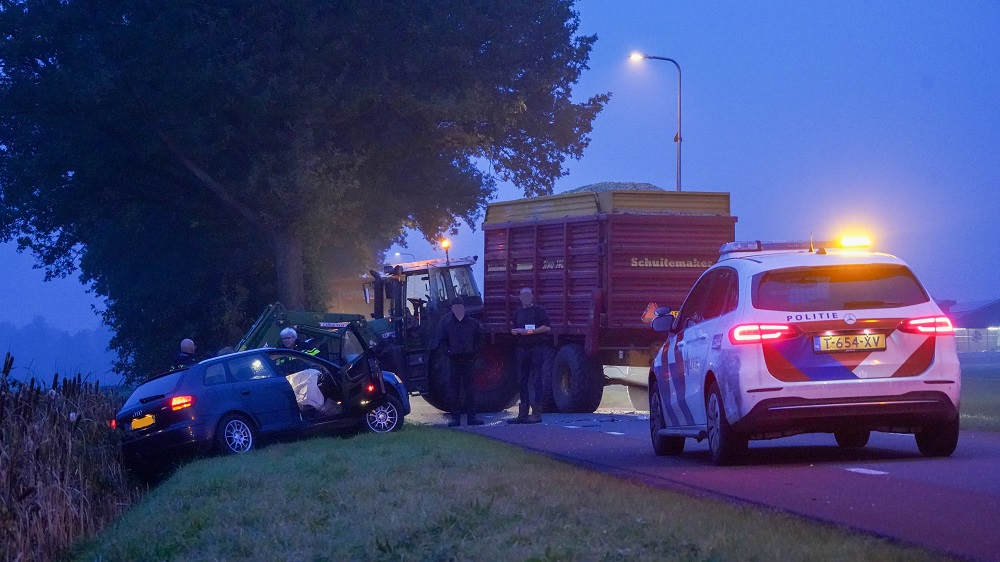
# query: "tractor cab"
{"type": "Point", "coordinates": [410, 299]}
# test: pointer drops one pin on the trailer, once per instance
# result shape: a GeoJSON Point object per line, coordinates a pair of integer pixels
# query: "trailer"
{"type": "Point", "coordinates": [599, 263]}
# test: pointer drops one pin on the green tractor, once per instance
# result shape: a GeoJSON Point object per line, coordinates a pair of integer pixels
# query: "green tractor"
{"type": "Point", "coordinates": [410, 301]}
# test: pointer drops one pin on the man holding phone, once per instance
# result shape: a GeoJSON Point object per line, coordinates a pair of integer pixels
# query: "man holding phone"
{"type": "Point", "coordinates": [531, 330]}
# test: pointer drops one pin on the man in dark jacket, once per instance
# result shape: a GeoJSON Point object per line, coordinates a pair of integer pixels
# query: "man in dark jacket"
{"type": "Point", "coordinates": [461, 338]}
{"type": "Point", "coordinates": [186, 357]}
{"type": "Point", "coordinates": [531, 330]}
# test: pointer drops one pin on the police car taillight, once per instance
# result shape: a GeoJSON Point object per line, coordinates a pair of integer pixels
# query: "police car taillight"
{"type": "Point", "coordinates": [761, 333]}
{"type": "Point", "coordinates": [928, 326]}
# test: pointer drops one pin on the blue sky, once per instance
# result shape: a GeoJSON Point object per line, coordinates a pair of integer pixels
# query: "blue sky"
{"type": "Point", "coordinates": [815, 116]}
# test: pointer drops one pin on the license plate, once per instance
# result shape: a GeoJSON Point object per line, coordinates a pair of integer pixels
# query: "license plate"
{"type": "Point", "coordinates": [144, 421]}
{"type": "Point", "coordinates": [849, 342]}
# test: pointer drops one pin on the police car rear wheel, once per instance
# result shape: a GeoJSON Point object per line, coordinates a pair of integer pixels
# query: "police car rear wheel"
{"type": "Point", "coordinates": [725, 445]}
{"type": "Point", "coordinates": [938, 440]}
{"type": "Point", "coordinates": [852, 439]}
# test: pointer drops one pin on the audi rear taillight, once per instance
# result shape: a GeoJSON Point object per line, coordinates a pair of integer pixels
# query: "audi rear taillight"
{"type": "Point", "coordinates": [761, 333]}
{"type": "Point", "coordinates": [181, 402]}
{"type": "Point", "coordinates": [928, 326]}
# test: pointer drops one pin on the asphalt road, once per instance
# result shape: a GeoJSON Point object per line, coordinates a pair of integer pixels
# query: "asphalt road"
{"type": "Point", "coordinates": [889, 489]}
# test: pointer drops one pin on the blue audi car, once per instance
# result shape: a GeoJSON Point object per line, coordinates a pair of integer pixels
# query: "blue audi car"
{"type": "Point", "coordinates": [231, 404]}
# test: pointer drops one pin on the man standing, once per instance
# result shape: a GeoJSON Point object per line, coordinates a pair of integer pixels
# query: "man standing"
{"type": "Point", "coordinates": [531, 330]}
{"type": "Point", "coordinates": [462, 337]}
{"type": "Point", "coordinates": [186, 357]}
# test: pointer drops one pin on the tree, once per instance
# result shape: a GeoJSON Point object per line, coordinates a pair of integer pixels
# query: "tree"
{"type": "Point", "coordinates": [216, 154]}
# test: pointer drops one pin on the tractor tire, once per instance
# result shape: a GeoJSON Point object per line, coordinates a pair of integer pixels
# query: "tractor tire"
{"type": "Point", "coordinates": [494, 381]}
{"type": "Point", "coordinates": [494, 386]}
{"type": "Point", "coordinates": [438, 375]}
{"type": "Point", "coordinates": [577, 381]}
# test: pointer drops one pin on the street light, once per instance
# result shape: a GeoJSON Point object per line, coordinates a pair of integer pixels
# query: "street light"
{"type": "Point", "coordinates": [445, 243]}
{"type": "Point", "coordinates": [401, 254]}
{"type": "Point", "coordinates": [677, 137]}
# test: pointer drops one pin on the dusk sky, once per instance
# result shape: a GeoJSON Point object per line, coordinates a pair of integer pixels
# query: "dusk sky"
{"type": "Point", "coordinates": [874, 117]}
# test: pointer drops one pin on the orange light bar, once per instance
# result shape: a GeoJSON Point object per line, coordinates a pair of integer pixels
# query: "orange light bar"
{"type": "Point", "coordinates": [181, 402]}
{"type": "Point", "coordinates": [855, 242]}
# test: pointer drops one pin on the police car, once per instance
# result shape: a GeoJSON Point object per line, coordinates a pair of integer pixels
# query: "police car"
{"type": "Point", "coordinates": [778, 339]}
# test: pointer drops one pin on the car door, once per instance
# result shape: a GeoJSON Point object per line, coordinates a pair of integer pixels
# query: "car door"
{"type": "Point", "coordinates": [328, 382]}
{"type": "Point", "coordinates": [265, 394]}
{"type": "Point", "coordinates": [357, 371]}
{"type": "Point", "coordinates": [684, 353]}
{"type": "Point", "coordinates": [705, 337]}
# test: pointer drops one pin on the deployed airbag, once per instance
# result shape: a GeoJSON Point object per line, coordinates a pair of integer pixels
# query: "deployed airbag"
{"type": "Point", "coordinates": [305, 384]}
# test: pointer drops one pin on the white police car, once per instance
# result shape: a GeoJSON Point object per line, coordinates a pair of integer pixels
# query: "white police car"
{"type": "Point", "coordinates": [778, 339]}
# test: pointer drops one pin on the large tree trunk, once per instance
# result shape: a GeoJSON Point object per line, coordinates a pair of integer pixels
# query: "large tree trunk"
{"type": "Point", "coordinates": [288, 260]}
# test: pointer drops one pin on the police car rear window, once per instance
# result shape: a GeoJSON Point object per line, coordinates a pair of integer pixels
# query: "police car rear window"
{"type": "Point", "coordinates": [839, 287]}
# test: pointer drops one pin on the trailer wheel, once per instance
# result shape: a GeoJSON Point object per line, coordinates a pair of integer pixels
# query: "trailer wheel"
{"type": "Point", "coordinates": [548, 400]}
{"type": "Point", "coordinates": [577, 381]}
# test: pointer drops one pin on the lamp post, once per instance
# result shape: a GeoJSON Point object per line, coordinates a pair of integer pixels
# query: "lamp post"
{"type": "Point", "coordinates": [677, 137]}
{"type": "Point", "coordinates": [445, 243]}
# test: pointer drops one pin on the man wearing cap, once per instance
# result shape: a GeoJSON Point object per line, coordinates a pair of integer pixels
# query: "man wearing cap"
{"type": "Point", "coordinates": [461, 338]}
{"type": "Point", "coordinates": [531, 331]}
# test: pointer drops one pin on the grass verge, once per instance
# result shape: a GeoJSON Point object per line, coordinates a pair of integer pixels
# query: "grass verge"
{"type": "Point", "coordinates": [981, 397]}
{"type": "Point", "coordinates": [433, 494]}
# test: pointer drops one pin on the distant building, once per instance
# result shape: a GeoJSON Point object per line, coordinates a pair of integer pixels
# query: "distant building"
{"type": "Point", "coordinates": [977, 329]}
{"type": "Point", "coordinates": [978, 314]}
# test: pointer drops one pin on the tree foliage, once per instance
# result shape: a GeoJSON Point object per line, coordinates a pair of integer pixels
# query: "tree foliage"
{"type": "Point", "coordinates": [197, 159]}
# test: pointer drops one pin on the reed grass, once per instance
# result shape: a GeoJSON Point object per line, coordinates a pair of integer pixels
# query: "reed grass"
{"type": "Point", "coordinates": [61, 477]}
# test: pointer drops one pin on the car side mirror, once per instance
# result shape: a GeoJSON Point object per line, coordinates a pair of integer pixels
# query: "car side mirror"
{"type": "Point", "coordinates": [663, 320]}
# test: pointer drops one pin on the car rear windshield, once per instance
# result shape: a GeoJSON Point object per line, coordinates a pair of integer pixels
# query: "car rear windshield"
{"type": "Point", "coordinates": [155, 388]}
{"type": "Point", "coordinates": [837, 287]}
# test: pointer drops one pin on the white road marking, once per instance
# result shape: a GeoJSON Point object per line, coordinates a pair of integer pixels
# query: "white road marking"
{"type": "Point", "coordinates": [614, 433]}
{"type": "Point", "coordinates": [572, 426]}
{"type": "Point", "coordinates": [867, 471]}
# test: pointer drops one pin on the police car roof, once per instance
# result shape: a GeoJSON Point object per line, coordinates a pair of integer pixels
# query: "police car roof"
{"type": "Point", "coordinates": [779, 259]}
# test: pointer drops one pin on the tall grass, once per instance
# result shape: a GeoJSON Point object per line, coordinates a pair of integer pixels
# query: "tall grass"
{"type": "Point", "coordinates": [61, 476]}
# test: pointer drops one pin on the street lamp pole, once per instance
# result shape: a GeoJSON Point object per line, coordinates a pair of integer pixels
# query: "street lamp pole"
{"type": "Point", "coordinates": [677, 138]}
{"type": "Point", "coordinates": [401, 254]}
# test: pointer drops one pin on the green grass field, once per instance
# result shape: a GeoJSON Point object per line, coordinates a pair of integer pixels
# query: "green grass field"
{"type": "Point", "coordinates": [433, 494]}
{"type": "Point", "coordinates": [981, 398]}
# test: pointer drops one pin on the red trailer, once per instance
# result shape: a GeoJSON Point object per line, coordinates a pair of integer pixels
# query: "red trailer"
{"type": "Point", "coordinates": [597, 261]}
